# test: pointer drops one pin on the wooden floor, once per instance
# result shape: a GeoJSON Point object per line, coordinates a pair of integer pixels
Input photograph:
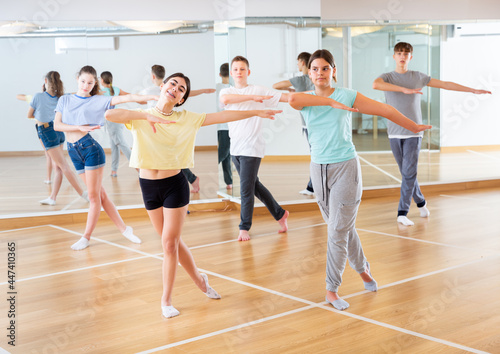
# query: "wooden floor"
{"type": "Point", "coordinates": [438, 285]}
{"type": "Point", "coordinates": [439, 280]}
{"type": "Point", "coordinates": [22, 177]}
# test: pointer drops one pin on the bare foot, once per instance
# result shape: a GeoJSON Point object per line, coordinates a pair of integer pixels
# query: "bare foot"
{"type": "Point", "coordinates": [243, 236]}
{"type": "Point", "coordinates": [196, 185]}
{"type": "Point", "coordinates": [283, 222]}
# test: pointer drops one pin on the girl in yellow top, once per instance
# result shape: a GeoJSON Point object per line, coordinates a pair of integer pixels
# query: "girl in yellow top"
{"type": "Point", "coordinates": [160, 151]}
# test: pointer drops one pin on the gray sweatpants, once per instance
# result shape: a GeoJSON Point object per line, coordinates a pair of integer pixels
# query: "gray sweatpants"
{"type": "Point", "coordinates": [338, 189]}
{"type": "Point", "coordinates": [118, 142]}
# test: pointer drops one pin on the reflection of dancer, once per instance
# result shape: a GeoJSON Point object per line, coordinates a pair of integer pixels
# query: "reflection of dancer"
{"type": "Point", "coordinates": [160, 151]}
{"type": "Point", "coordinates": [248, 145]}
{"type": "Point", "coordinates": [300, 84]}
{"type": "Point", "coordinates": [115, 131]}
{"type": "Point", "coordinates": [77, 115]}
{"type": "Point", "coordinates": [157, 75]}
{"type": "Point", "coordinates": [335, 169]}
{"type": "Point", "coordinates": [48, 179]}
{"type": "Point", "coordinates": [223, 140]}
{"type": "Point", "coordinates": [42, 109]}
{"type": "Point", "coordinates": [402, 88]}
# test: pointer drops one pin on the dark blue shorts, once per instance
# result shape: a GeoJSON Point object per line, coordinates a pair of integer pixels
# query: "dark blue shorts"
{"type": "Point", "coordinates": [86, 154]}
{"type": "Point", "coordinates": [171, 192]}
{"type": "Point", "coordinates": [50, 138]}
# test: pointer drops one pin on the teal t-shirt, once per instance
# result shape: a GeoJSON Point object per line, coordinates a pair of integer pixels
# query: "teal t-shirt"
{"type": "Point", "coordinates": [330, 129]}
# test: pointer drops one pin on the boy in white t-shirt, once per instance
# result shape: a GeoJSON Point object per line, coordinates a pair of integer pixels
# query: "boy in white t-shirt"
{"type": "Point", "coordinates": [248, 144]}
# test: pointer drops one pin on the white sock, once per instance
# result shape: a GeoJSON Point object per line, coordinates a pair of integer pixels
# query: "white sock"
{"type": "Point", "coordinates": [211, 293]}
{"type": "Point", "coordinates": [424, 212]}
{"type": "Point", "coordinates": [80, 244]}
{"type": "Point", "coordinates": [85, 196]}
{"type": "Point", "coordinates": [169, 311]}
{"type": "Point", "coordinates": [405, 221]}
{"type": "Point", "coordinates": [371, 285]}
{"type": "Point", "coordinates": [339, 304]}
{"type": "Point", "coordinates": [48, 201]}
{"type": "Point", "coordinates": [129, 234]}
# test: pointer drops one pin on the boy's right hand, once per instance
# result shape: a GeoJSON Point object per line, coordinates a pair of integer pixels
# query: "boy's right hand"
{"type": "Point", "coordinates": [268, 113]}
{"type": "Point", "coordinates": [260, 99]}
{"type": "Point", "coordinates": [422, 127]}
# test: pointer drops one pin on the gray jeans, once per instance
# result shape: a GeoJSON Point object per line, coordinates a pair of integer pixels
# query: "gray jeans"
{"type": "Point", "coordinates": [118, 142]}
{"type": "Point", "coordinates": [250, 187]}
{"type": "Point", "coordinates": [406, 153]}
{"type": "Point", "coordinates": [338, 188]}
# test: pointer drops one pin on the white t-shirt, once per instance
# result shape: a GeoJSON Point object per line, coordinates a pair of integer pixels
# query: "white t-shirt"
{"type": "Point", "coordinates": [246, 135]}
{"type": "Point", "coordinates": [152, 90]}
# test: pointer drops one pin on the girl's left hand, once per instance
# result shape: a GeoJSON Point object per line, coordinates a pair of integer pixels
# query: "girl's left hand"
{"type": "Point", "coordinates": [339, 105]}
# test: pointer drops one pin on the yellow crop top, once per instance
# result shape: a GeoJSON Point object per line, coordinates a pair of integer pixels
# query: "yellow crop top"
{"type": "Point", "coordinates": [171, 147]}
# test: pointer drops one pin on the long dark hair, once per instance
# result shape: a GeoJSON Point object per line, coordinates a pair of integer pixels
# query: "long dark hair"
{"type": "Point", "coordinates": [323, 54]}
{"type": "Point", "coordinates": [188, 86]}
{"type": "Point", "coordinates": [87, 69]}
{"type": "Point", "coordinates": [54, 80]}
{"type": "Point", "coordinates": [107, 78]}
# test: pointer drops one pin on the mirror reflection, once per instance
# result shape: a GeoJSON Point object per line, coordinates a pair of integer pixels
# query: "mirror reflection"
{"type": "Point", "coordinates": [129, 49]}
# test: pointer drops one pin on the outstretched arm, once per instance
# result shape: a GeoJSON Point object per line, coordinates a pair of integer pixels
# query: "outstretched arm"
{"type": "Point", "coordinates": [448, 85]}
{"type": "Point", "coordinates": [141, 99]}
{"type": "Point", "coordinates": [230, 99]}
{"type": "Point", "coordinates": [380, 84]}
{"type": "Point", "coordinates": [125, 116]}
{"type": "Point", "coordinates": [301, 100]}
{"type": "Point", "coordinates": [194, 93]}
{"type": "Point", "coordinates": [372, 107]}
{"type": "Point", "coordinates": [283, 85]}
{"type": "Point", "coordinates": [231, 116]}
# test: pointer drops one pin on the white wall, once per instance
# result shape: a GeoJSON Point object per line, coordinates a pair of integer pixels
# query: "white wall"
{"type": "Point", "coordinates": [26, 64]}
{"type": "Point", "coordinates": [272, 52]}
{"type": "Point", "coordinates": [468, 119]}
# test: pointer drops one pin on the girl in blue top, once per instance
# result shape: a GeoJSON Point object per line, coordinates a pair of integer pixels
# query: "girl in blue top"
{"type": "Point", "coordinates": [42, 109]}
{"type": "Point", "coordinates": [77, 115]}
{"type": "Point", "coordinates": [335, 169]}
{"type": "Point", "coordinates": [115, 130]}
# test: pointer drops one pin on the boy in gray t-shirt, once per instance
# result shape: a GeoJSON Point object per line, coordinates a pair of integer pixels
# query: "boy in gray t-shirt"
{"type": "Point", "coordinates": [402, 89]}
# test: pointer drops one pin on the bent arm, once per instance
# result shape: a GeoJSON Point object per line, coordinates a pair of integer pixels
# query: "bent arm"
{"type": "Point", "coordinates": [231, 116]}
{"type": "Point", "coordinates": [301, 100]}
{"type": "Point", "coordinates": [63, 127]}
{"type": "Point", "coordinates": [380, 84]}
{"type": "Point", "coordinates": [448, 85]}
{"type": "Point", "coordinates": [372, 107]}
{"type": "Point", "coordinates": [230, 99]}
{"type": "Point", "coordinates": [31, 112]}
{"type": "Point", "coordinates": [123, 93]}
{"type": "Point", "coordinates": [282, 85]}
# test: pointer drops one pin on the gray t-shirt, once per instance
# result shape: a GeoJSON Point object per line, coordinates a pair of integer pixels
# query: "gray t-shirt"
{"type": "Point", "coordinates": [409, 105]}
{"type": "Point", "coordinates": [300, 84]}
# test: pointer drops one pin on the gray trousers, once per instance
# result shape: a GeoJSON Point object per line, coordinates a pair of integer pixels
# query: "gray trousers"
{"type": "Point", "coordinates": [250, 187]}
{"type": "Point", "coordinates": [338, 188]}
{"type": "Point", "coordinates": [118, 142]}
{"type": "Point", "coordinates": [406, 153]}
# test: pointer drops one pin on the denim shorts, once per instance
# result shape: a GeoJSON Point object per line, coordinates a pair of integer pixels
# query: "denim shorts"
{"type": "Point", "coordinates": [50, 138]}
{"type": "Point", "coordinates": [86, 154]}
{"type": "Point", "coordinates": [171, 192]}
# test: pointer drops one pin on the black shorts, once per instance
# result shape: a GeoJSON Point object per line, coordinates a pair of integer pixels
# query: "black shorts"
{"type": "Point", "coordinates": [170, 192]}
